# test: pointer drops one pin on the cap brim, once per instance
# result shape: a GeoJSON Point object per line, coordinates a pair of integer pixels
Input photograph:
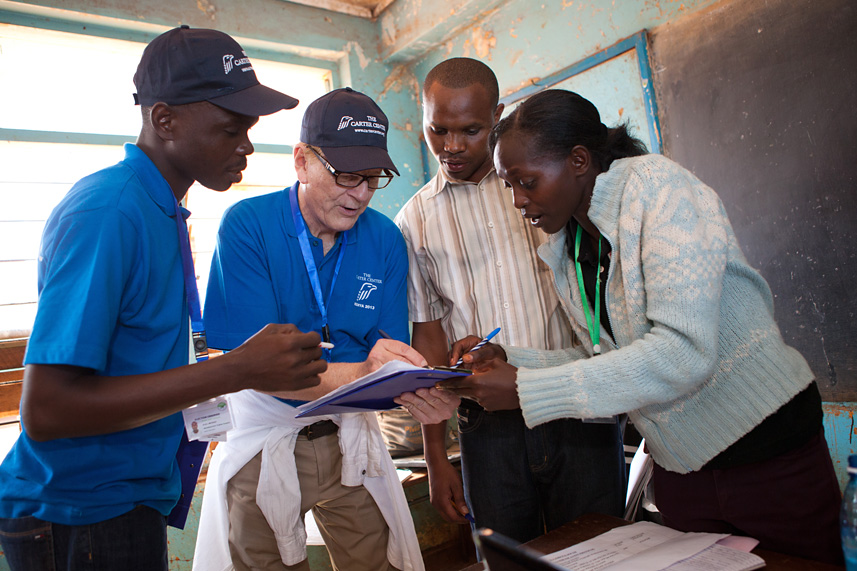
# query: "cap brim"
{"type": "Point", "coordinates": [359, 158]}
{"type": "Point", "coordinates": [255, 101]}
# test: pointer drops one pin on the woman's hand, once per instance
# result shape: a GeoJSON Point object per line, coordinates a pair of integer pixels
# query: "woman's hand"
{"type": "Point", "coordinates": [493, 383]}
{"type": "Point", "coordinates": [461, 348]}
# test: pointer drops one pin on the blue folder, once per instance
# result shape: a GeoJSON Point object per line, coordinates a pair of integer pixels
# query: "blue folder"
{"type": "Point", "coordinates": [377, 390]}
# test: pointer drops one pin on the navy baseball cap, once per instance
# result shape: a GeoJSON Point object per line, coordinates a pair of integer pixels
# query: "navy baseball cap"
{"type": "Point", "coordinates": [351, 130]}
{"type": "Point", "coordinates": [187, 65]}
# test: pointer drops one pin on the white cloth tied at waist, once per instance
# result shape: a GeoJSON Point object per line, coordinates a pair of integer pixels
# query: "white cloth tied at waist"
{"type": "Point", "coordinates": [263, 423]}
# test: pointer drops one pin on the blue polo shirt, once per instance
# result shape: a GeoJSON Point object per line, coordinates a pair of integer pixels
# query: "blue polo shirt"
{"type": "Point", "coordinates": [111, 299]}
{"type": "Point", "coordinates": [258, 277]}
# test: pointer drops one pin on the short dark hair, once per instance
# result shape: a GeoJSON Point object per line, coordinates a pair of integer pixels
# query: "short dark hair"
{"type": "Point", "coordinates": [459, 72]}
{"type": "Point", "coordinates": [558, 120]}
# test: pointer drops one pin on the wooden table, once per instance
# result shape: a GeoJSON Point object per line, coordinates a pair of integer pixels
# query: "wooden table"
{"type": "Point", "coordinates": [588, 526]}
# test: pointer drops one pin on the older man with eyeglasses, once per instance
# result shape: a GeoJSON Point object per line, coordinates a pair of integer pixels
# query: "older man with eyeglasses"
{"type": "Point", "coordinates": [314, 255]}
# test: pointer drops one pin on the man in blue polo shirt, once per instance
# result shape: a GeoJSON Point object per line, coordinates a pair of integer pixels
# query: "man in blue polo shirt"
{"type": "Point", "coordinates": [94, 473]}
{"type": "Point", "coordinates": [315, 255]}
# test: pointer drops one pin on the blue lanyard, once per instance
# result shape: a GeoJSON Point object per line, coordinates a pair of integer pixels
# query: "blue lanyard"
{"type": "Point", "coordinates": [200, 346]}
{"type": "Point", "coordinates": [311, 269]}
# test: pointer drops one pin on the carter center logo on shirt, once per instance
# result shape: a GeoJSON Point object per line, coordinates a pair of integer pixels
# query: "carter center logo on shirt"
{"type": "Point", "coordinates": [367, 288]}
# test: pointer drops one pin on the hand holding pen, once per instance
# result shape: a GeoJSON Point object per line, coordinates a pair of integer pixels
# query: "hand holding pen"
{"type": "Point", "coordinates": [459, 348]}
{"type": "Point", "coordinates": [493, 382]}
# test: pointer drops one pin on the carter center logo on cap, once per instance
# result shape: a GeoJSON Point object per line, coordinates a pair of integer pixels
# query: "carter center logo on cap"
{"type": "Point", "coordinates": [229, 63]}
{"type": "Point", "coordinates": [370, 125]}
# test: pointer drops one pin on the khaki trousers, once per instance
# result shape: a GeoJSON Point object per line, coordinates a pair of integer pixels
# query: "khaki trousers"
{"type": "Point", "coordinates": [350, 522]}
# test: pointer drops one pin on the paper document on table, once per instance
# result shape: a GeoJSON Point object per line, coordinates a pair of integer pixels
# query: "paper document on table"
{"type": "Point", "coordinates": [646, 546]}
{"type": "Point", "coordinates": [719, 558]}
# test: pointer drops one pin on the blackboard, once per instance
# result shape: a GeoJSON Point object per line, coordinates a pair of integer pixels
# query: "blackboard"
{"type": "Point", "coordinates": [758, 100]}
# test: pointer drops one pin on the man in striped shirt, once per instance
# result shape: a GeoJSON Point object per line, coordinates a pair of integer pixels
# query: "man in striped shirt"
{"type": "Point", "coordinates": [474, 267]}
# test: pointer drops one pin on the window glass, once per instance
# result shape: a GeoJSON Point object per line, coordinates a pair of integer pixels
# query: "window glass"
{"type": "Point", "coordinates": [58, 84]}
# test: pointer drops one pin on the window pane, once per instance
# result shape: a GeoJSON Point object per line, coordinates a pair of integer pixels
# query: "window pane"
{"type": "Point", "coordinates": [68, 82]}
{"type": "Point", "coordinates": [84, 84]}
{"type": "Point", "coordinates": [64, 82]}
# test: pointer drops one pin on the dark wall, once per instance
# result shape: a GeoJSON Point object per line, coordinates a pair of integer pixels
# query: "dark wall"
{"type": "Point", "coordinates": [758, 100]}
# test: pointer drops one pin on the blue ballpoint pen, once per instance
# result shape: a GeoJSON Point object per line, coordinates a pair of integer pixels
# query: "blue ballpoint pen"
{"type": "Point", "coordinates": [479, 345]}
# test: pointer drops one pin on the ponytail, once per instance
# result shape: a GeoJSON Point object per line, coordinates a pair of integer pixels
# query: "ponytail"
{"type": "Point", "coordinates": [557, 120]}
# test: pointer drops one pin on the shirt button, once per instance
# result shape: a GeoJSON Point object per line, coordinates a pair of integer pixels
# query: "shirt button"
{"type": "Point", "coordinates": [506, 305]}
{"type": "Point", "coordinates": [315, 242]}
{"type": "Point", "coordinates": [490, 225]}
{"type": "Point", "coordinates": [499, 264]}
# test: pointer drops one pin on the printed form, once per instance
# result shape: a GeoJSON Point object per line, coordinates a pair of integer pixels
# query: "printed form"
{"type": "Point", "coordinates": [646, 546]}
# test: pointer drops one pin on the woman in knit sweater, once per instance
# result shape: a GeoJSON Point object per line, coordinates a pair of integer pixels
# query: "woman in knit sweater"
{"type": "Point", "coordinates": [677, 330]}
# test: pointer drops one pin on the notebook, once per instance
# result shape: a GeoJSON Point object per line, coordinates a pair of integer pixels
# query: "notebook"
{"type": "Point", "coordinates": [377, 390]}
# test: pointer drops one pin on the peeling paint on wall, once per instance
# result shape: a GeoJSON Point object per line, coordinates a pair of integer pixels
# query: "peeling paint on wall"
{"type": "Point", "coordinates": [207, 8]}
{"type": "Point", "coordinates": [408, 126]}
{"type": "Point", "coordinates": [402, 76]}
{"type": "Point", "coordinates": [353, 46]}
{"type": "Point", "coordinates": [482, 41]}
{"type": "Point", "coordinates": [388, 31]}
{"type": "Point", "coordinates": [841, 435]}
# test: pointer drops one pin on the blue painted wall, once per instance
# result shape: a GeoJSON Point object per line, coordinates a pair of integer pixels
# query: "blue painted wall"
{"type": "Point", "coordinates": [525, 41]}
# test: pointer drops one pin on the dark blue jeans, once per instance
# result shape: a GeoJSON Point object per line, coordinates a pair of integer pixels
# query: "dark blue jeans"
{"type": "Point", "coordinates": [134, 541]}
{"type": "Point", "coordinates": [522, 482]}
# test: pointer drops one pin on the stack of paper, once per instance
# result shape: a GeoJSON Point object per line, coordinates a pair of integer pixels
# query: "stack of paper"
{"type": "Point", "coordinates": [638, 479]}
{"type": "Point", "coordinates": [647, 546]}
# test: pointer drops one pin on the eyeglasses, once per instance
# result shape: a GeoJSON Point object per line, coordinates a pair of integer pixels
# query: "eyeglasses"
{"type": "Point", "coordinates": [353, 179]}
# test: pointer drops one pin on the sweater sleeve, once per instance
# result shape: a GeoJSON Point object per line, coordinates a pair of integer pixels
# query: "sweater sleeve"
{"type": "Point", "coordinates": [542, 358]}
{"type": "Point", "coordinates": [672, 249]}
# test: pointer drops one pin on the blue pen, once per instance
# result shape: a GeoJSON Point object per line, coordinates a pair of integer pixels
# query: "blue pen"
{"type": "Point", "coordinates": [479, 345]}
{"type": "Point", "coordinates": [467, 515]}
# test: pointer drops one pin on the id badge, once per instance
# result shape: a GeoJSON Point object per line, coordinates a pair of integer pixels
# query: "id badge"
{"type": "Point", "coordinates": [208, 421]}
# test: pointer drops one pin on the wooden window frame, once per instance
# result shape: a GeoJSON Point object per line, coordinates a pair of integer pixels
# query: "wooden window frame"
{"type": "Point", "coordinates": [11, 376]}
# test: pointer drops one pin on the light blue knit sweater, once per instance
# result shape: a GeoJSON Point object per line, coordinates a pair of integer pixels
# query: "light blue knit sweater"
{"type": "Point", "coordinates": [698, 360]}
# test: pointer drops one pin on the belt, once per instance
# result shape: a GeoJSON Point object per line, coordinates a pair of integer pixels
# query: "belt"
{"type": "Point", "coordinates": [318, 429]}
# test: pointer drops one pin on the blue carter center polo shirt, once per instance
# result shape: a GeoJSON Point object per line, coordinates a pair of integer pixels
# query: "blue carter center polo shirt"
{"type": "Point", "coordinates": [111, 299]}
{"type": "Point", "coordinates": [258, 277]}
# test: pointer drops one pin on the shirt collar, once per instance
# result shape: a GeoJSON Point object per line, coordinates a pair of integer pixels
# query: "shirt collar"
{"type": "Point", "coordinates": [289, 221]}
{"type": "Point", "coordinates": [153, 181]}
{"type": "Point", "coordinates": [442, 182]}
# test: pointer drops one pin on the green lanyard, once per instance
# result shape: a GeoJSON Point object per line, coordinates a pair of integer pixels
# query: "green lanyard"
{"type": "Point", "coordinates": [594, 328]}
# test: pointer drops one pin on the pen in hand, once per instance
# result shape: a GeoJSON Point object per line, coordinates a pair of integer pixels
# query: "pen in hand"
{"type": "Point", "coordinates": [479, 345]}
{"type": "Point", "coordinates": [467, 515]}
